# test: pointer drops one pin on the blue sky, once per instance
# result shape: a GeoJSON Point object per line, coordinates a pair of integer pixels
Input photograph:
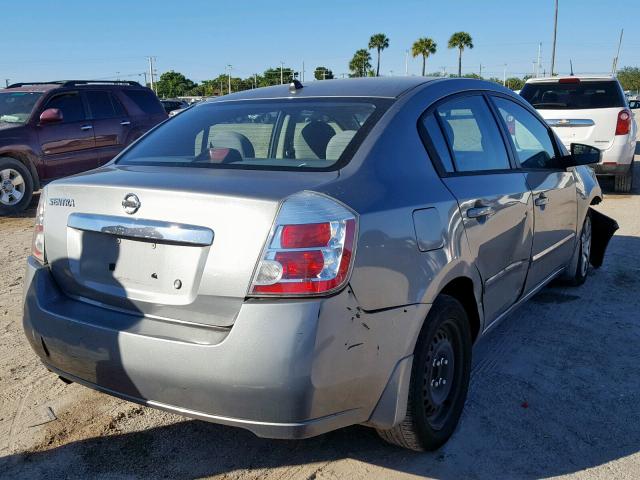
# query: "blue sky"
{"type": "Point", "coordinates": [42, 40]}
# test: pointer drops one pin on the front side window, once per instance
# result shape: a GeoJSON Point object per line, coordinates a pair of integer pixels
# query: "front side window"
{"type": "Point", "coordinates": [529, 137]}
{"type": "Point", "coordinates": [71, 106]}
{"type": "Point", "coordinates": [16, 107]}
{"type": "Point", "coordinates": [269, 134]}
{"type": "Point", "coordinates": [473, 135]}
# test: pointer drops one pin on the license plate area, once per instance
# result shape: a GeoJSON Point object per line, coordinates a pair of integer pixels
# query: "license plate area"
{"type": "Point", "coordinates": [136, 269]}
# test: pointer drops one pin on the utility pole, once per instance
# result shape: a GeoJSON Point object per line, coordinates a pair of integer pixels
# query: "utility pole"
{"type": "Point", "coordinates": [504, 76]}
{"type": "Point", "coordinates": [481, 70]}
{"type": "Point", "coordinates": [444, 71]}
{"type": "Point", "coordinates": [151, 59]}
{"type": "Point", "coordinates": [229, 67]}
{"type": "Point", "coordinates": [555, 34]}
{"type": "Point", "coordinates": [406, 63]}
{"type": "Point", "coordinates": [281, 74]}
{"type": "Point", "coordinates": [255, 80]}
{"type": "Point", "coordinates": [615, 60]}
{"type": "Point", "coordinates": [538, 64]}
{"type": "Point", "coordinates": [145, 78]}
{"type": "Point", "coordinates": [118, 76]}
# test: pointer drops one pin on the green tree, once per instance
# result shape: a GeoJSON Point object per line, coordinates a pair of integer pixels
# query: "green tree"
{"type": "Point", "coordinates": [271, 76]}
{"type": "Point", "coordinates": [360, 64]}
{"type": "Point", "coordinates": [424, 46]}
{"type": "Point", "coordinates": [629, 78]}
{"type": "Point", "coordinates": [379, 42]}
{"type": "Point", "coordinates": [322, 73]}
{"type": "Point", "coordinates": [460, 40]}
{"type": "Point", "coordinates": [515, 83]}
{"type": "Point", "coordinates": [173, 84]}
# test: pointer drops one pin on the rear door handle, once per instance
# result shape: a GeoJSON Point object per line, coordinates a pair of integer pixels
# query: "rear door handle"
{"type": "Point", "coordinates": [480, 212]}
{"type": "Point", "coordinates": [125, 122]}
{"type": "Point", "coordinates": [541, 200]}
{"type": "Point", "coordinates": [86, 127]}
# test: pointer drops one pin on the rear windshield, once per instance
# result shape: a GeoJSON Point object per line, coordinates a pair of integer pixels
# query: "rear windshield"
{"type": "Point", "coordinates": [16, 107]}
{"type": "Point", "coordinates": [262, 134]}
{"type": "Point", "coordinates": [573, 96]}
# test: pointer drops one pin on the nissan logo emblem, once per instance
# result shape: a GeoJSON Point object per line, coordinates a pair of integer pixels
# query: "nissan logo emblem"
{"type": "Point", "coordinates": [131, 203]}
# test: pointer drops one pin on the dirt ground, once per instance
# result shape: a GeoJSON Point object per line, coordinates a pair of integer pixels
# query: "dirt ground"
{"type": "Point", "coordinates": [555, 391]}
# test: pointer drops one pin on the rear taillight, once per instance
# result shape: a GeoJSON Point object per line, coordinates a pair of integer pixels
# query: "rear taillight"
{"type": "Point", "coordinates": [623, 127]}
{"type": "Point", "coordinates": [37, 244]}
{"type": "Point", "coordinates": [309, 250]}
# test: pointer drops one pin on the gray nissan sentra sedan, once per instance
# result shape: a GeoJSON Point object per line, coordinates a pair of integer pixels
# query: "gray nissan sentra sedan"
{"type": "Point", "coordinates": [296, 259]}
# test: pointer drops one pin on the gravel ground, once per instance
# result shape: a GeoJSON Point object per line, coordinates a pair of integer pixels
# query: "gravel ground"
{"type": "Point", "coordinates": [554, 392]}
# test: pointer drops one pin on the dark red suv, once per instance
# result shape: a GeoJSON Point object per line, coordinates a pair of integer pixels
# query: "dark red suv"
{"type": "Point", "coordinates": [54, 129]}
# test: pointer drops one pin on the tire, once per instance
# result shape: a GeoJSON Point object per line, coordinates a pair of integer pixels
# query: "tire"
{"type": "Point", "coordinates": [584, 253]}
{"type": "Point", "coordinates": [16, 186]}
{"type": "Point", "coordinates": [624, 183]}
{"type": "Point", "coordinates": [442, 352]}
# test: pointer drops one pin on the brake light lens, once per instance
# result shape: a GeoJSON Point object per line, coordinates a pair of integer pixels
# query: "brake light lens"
{"type": "Point", "coordinates": [37, 243]}
{"type": "Point", "coordinates": [569, 80]}
{"type": "Point", "coordinates": [310, 250]}
{"type": "Point", "coordinates": [623, 127]}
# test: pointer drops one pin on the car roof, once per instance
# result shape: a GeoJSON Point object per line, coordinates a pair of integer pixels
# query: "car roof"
{"type": "Point", "coordinates": [46, 86]}
{"type": "Point", "coordinates": [369, 87]}
{"type": "Point", "coordinates": [582, 78]}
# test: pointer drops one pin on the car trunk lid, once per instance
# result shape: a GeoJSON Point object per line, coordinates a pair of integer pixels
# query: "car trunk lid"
{"type": "Point", "coordinates": [186, 253]}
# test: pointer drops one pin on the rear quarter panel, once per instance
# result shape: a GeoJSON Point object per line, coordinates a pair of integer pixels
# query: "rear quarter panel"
{"type": "Point", "coordinates": [389, 178]}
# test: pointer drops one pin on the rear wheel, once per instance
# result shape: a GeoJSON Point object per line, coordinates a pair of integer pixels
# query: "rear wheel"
{"type": "Point", "coordinates": [16, 186]}
{"type": "Point", "coordinates": [624, 183]}
{"type": "Point", "coordinates": [439, 379]}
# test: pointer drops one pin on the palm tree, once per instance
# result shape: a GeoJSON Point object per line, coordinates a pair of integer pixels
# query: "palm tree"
{"type": "Point", "coordinates": [460, 40]}
{"type": "Point", "coordinates": [424, 46]}
{"type": "Point", "coordinates": [360, 64]}
{"type": "Point", "coordinates": [379, 41]}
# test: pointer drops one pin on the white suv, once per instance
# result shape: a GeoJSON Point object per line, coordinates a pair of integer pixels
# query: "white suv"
{"type": "Point", "coordinates": [593, 111]}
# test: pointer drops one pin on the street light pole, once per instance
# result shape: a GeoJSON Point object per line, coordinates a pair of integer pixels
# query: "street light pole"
{"type": "Point", "coordinates": [555, 33]}
{"type": "Point", "coordinates": [406, 63]}
{"type": "Point", "coordinates": [281, 74]}
{"type": "Point", "coordinates": [504, 76]}
{"type": "Point", "coordinates": [229, 67]}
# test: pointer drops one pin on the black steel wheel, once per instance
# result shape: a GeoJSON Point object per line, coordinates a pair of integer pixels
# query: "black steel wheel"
{"type": "Point", "coordinates": [439, 379]}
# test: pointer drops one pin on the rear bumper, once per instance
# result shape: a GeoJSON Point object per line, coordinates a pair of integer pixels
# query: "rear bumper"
{"type": "Point", "coordinates": [617, 159]}
{"type": "Point", "coordinates": [286, 369]}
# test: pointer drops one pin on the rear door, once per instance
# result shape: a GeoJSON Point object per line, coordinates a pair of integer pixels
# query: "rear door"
{"type": "Point", "coordinates": [111, 124]}
{"type": "Point", "coordinates": [68, 147]}
{"type": "Point", "coordinates": [553, 188]}
{"type": "Point", "coordinates": [494, 199]}
{"type": "Point", "coordinates": [579, 111]}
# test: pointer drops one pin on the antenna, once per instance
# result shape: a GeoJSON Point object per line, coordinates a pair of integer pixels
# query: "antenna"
{"type": "Point", "coordinates": [571, 65]}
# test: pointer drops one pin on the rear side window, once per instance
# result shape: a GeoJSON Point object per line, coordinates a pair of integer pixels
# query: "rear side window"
{"type": "Point", "coordinates": [472, 135]}
{"type": "Point", "coordinates": [305, 134]}
{"type": "Point", "coordinates": [145, 100]}
{"type": "Point", "coordinates": [71, 106]}
{"type": "Point", "coordinates": [101, 105]}
{"type": "Point", "coordinates": [529, 137]}
{"type": "Point", "coordinates": [574, 96]}
{"type": "Point", "coordinates": [434, 131]}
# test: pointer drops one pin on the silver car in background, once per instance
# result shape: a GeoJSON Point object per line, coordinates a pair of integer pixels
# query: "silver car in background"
{"type": "Point", "coordinates": [295, 259]}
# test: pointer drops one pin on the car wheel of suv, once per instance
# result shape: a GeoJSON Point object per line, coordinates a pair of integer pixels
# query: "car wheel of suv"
{"type": "Point", "coordinates": [439, 379]}
{"type": "Point", "coordinates": [624, 183]}
{"type": "Point", "coordinates": [16, 186]}
{"type": "Point", "coordinates": [584, 253]}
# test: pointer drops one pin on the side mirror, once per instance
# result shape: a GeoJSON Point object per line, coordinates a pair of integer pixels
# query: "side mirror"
{"type": "Point", "coordinates": [582, 155]}
{"type": "Point", "coordinates": [51, 115]}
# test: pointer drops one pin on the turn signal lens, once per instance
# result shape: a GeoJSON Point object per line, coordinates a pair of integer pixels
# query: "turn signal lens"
{"type": "Point", "coordinates": [37, 244]}
{"type": "Point", "coordinates": [623, 127]}
{"type": "Point", "coordinates": [307, 258]}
